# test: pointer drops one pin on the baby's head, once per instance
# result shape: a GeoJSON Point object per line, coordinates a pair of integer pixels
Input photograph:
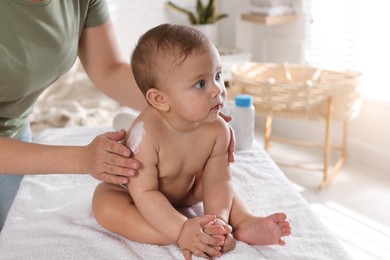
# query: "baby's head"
{"type": "Point", "coordinates": [161, 49]}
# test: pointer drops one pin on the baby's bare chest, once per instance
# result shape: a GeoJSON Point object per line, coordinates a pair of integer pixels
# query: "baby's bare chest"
{"type": "Point", "coordinates": [183, 158]}
{"type": "Point", "coordinates": [179, 163]}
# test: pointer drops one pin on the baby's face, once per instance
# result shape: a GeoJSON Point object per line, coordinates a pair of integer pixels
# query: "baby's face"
{"type": "Point", "coordinates": [195, 88]}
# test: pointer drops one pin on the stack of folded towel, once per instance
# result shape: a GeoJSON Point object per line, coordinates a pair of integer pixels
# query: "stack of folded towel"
{"type": "Point", "coordinates": [272, 7]}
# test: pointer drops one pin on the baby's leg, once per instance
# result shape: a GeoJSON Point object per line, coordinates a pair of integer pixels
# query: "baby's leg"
{"type": "Point", "coordinates": [257, 230]}
{"type": "Point", "coordinates": [114, 209]}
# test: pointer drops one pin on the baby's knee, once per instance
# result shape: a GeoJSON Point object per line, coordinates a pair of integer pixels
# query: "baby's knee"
{"type": "Point", "coordinates": [99, 203]}
{"type": "Point", "coordinates": [105, 203]}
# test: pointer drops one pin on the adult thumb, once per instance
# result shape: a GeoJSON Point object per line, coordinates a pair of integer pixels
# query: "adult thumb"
{"type": "Point", "coordinates": [117, 135]}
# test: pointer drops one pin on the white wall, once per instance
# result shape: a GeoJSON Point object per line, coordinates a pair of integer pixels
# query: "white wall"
{"type": "Point", "coordinates": [368, 139]}
{"type": "Point", "coordinates": [132, 18]}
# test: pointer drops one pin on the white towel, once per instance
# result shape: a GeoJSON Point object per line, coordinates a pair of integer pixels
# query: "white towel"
{"type": "Point", "coordinates": [51, 217]}
{"type": "Point", "coordinates": [272, 10]}
{"type": "Point", "coordinates": [271, 2]}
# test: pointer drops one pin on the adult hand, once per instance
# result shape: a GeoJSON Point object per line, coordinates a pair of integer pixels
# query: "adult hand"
{"type": "Point", "coordinates": [192, 239]}
{"type": "Point", "coordinates": [232, 142]}
{"type": "Point", "coordinates": [108, 160]}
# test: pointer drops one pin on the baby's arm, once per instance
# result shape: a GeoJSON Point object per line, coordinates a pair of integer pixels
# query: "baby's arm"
{"type": "Point", "coordinates": [216, 180]}
{"type": "Point", "coordinates": [158, 211]}
{"type": "Point", "coordinates": [151, 203]}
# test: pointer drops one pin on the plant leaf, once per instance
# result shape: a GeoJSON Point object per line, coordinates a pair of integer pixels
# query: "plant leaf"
{"type": "Point", "coordinates": [218, 17]}
{"type": "Point", "coordinates": [201, 11]}
{"type": "Point", "coordinates": [205, 14]}
{"type": "Point", "coordinates": [210, 11]}
{"type": "Point", "coordinates": [191, 16]}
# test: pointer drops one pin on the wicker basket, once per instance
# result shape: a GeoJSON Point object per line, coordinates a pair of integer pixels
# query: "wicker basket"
{"type": "Point", "coordinates": [297, 91]}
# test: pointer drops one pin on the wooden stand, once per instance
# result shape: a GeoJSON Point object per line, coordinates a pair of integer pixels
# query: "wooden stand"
{"type": "Point", "coordinates": [327, 147]}
{"type": "Point", "coordinates": [301, 92]}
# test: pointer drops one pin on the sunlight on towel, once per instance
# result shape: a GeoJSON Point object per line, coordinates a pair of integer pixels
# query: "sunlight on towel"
{"type": "Point", "coordinates": [363, 238]}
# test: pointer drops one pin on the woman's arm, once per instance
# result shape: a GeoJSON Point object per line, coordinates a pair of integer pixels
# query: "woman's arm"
{"type": "Point", "coordinates": [216, 180]}
{"type": "Point", "coordinates": [101, 57]}
{"type": "Point", "coordinates": [104, 158]}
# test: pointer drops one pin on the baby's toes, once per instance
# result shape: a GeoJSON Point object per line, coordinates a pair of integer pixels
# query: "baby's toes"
{"type": "Point", "coordinates": [279, 217]}
{"type": "Point", "coordinates": [284, 224]}
{"type": "Point", "coordinates": [281, 242]}
{"type": "Point", "coordinates": [286, 230]}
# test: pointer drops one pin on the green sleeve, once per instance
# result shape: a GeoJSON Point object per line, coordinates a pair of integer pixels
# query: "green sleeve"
{"type": "Point", "coordinates": [98, 13]}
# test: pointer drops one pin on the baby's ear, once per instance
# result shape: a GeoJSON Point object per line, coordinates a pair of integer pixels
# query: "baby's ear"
{"type": "Point", "coordinates": [157, 99]}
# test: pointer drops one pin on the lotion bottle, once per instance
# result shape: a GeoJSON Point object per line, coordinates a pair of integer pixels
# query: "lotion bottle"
{"type": "Point", "coordinates": [244, 121]}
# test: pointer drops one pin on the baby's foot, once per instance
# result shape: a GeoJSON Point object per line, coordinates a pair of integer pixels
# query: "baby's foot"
{"type": "Point", "coordinates": [263, 230]}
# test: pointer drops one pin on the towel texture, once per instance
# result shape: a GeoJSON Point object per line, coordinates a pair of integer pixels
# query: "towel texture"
{"type": "Point", "coordinates": [51, 217]}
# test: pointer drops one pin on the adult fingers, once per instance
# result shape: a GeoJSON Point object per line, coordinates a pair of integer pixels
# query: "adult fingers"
{"type": "Point", "coordinates": [112, 143]}
{"type": "Point", "coordinates": [116, 135]}
{"type": "Point", "coordinates": [119, 165]}
{"type": "Point", "coordinates": [225, 117]}
{"type": "Point", "coordinates": [232, 145]}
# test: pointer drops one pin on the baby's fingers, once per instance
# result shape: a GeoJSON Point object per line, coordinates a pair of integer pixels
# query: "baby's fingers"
{"type": "Point", "coordinates": [213, 230]}
{"type": "Point", "coordinates": [187, 254]}
{"type": "Point", "coordinates": [206, 251]}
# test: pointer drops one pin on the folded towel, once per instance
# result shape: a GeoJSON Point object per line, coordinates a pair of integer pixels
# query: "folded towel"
{"type": "Point", "coordinates": [270, 3]}
{"type": "Point", "coordinates": [272, 11]}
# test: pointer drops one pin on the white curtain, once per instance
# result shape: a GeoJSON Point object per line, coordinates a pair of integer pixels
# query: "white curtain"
{"type": "Point", "coordinates": [351, 35]}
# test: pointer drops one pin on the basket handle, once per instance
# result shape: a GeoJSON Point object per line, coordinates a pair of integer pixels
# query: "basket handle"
{"type": "Point", "coordinates": [316, 75]}
{"type": "Point", "coordinates": [287, 72]}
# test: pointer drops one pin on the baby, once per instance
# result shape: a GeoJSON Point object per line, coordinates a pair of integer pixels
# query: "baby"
{"type": "Point", "coordinates": [181, 143]}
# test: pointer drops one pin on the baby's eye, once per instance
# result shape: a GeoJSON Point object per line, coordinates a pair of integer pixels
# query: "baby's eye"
{"type": "Point", "coordinates": [218, 77]}
{"type": "Point", "coordinates": [200, 84]}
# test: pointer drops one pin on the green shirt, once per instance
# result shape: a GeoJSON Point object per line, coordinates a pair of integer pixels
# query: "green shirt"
{"type": "Point", "coordinates": [38, 44]}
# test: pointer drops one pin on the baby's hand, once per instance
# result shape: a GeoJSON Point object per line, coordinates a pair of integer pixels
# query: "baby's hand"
{"type": "Point", "coordinates": [193, 240]}
{"type": "Point", "coordinates": [217, 228]}
{"type": "Point", "coordinates": [229, 244]}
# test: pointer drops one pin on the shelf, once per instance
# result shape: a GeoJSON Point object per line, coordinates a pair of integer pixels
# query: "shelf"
{"type": "Point", "coordinates": [268, 20]}
{"type": "Point", "coordinates": [228, 59]}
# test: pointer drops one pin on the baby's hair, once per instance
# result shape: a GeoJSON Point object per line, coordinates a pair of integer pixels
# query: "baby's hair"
{"type": "Point", "coordinates": [164, 45]}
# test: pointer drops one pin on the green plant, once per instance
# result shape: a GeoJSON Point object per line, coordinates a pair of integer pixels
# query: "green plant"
{"type": "Point", "coordinates": [204, 14]}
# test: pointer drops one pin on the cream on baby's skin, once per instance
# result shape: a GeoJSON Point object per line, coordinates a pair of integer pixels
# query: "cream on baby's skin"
{"type": "Point", "coordinates": [136, 134]}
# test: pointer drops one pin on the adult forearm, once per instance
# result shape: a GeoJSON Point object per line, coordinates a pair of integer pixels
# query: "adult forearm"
{"type": "Point", "coordinates": [17, 157]}
{"type": "Point", "coordinates": [119, 84]}
{"type": "Point", "coordinates": [105, 65]}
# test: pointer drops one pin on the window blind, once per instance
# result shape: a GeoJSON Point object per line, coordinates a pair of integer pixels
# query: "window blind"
{"type": "Point", "coordinates": [351, 35]}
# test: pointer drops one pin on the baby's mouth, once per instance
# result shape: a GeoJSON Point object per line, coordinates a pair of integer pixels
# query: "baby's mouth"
{"type": "Point", "coordinates": [219, 106]}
